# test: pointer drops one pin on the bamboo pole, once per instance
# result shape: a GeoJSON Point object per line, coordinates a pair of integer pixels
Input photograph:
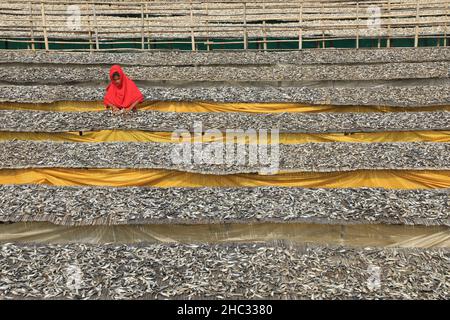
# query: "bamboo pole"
{"type": "Point", "coordinates": [357, 25]}
{"type": "Point", "coordinates": [388, 40]}
{"type": "Point", "coordinates": [445, 30]}
{"type": "Point", "coordinates": [379, 34]}
{"type": "Point", "coordinates": [32, 27]}
{"type": "Point", "coordinates": [91, 45]}
{"type": "Point", "coordinates": [323, 32]}
{"type": "Point", "coordinates": [245, 26]}
{"type": "Point", "coordinates": [208, 47]}
{"type": "Point", "coordinates": [97, 44]}
{"type": "Point", "coordinates": [192, 27]}
{"type": "Point", "coordinates": [44, 26]}
{"type": "Point", "coordinates": [300, 22]}
{"type": "Point", "coordinates": [264, 29]}
{"type": "Point", "coordinates": [148, 27]}
{"type": "Point", "coordinates": [416, 37]}
{"type": "Point", "coordinates": [142, 28]}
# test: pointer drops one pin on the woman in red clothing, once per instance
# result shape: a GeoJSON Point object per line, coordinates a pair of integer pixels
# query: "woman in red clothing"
{"type": "Point", "coordinates": [122, 94]}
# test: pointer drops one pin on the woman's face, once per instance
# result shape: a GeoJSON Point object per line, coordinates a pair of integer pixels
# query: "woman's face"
{"type": "Point", "coordinates": [116, 80]}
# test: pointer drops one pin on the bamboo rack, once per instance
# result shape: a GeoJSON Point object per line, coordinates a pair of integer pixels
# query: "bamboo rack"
{"type": "Point", "coordinates": [142, 25]}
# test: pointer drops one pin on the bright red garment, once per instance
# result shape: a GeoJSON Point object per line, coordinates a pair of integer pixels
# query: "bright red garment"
{"type": "Point", "coordinates": [122, 95]}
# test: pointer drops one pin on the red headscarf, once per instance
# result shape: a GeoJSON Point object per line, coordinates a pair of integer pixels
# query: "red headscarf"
{"type": "Point", "coordinates": [122, 95]}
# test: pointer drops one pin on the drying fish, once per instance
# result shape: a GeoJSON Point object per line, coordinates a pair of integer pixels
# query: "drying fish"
{"type": "Point", "coordinates": [315, 157]}
{"type": "Point", "coordinates": [44, 121]}
{"type": "Point", "coordinates": [203, 271]}
{"type": "Point", "coordinates": [108, 205]}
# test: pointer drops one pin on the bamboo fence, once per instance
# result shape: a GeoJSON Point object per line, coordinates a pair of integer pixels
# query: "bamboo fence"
{"type": "Point", "coordinates": [247, 24]}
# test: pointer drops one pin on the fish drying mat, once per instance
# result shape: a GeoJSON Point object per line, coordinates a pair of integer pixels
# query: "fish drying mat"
{"type": "Point", "coordinates": [139, 232]}
{"type": "Point", "coordinates": [346, 235]}
{"type": "Point", "coordinates": [279, 270]}
{"type": "Point", "coordinates": [277, 249]}
{"type": "Point", "coordinates": [306, 157]}
{"type": "Point", "coordinates": [284, 138]}
{"type": "Point", "coordinates": [84, 205]}
{"type": "Point", "coordinates": [389, 179]}
{"type": "Point", "coordinates": [203, 106]}
{"type": "Point", "coordinates": [328, 122]}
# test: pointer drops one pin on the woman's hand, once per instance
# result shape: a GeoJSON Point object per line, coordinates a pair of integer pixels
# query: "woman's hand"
{"type": "Point", "coordinates": [132, 107]}
{"type": "Point", "coordinates": [115, 109]}
{"type": "Point", "coordinates": [126, 110]}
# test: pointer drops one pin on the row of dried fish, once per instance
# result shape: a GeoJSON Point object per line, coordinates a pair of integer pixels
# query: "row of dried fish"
{"type": "Point", "coordinates": [274, 271]}
{"type": "Point", "coordinates": [432, 21]}
{"type": "Point", "coordinates": [409, 95]}
{"type": "Point", "coordinates": [108, 206]}
{"type": "Point", "coordinates": [25, 73]}
{"type": "Point", "coordinates": [41, 121]}
{"type": "Point", "coordinates": [227, 58]}
{"type": "Point", "coordinates": [222, 158]}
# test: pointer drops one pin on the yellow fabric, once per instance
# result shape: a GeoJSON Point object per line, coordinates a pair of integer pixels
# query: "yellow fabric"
{"type": "Point", "coordinates": [389, 179]}
{"type": "Point", "coordinates": [284, 138]}
{"type": "Point", "coordinates": [347, 235]}
{"type": "Point", "coordinates": [201, 106]}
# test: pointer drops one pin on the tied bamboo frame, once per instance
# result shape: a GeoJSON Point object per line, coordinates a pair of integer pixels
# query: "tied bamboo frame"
{"type": "Point", "coordinates": [237, 21]}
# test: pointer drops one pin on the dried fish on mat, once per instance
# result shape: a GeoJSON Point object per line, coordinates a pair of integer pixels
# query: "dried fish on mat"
{"type": "Point", "coordinates": [108, 205]}
{"type": "Point", "coordinates": [169, 58]}
{"type": "Point", "coordinates": [217, 158]}
{"type": "Point", "coordinates": [270, 74]}
{"type": "Point", "coordinates": [273, 271]}
{"type": "Point", "coordinates": [43, 121]}
{"type": "Point", "coordinates": [426, 94]}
